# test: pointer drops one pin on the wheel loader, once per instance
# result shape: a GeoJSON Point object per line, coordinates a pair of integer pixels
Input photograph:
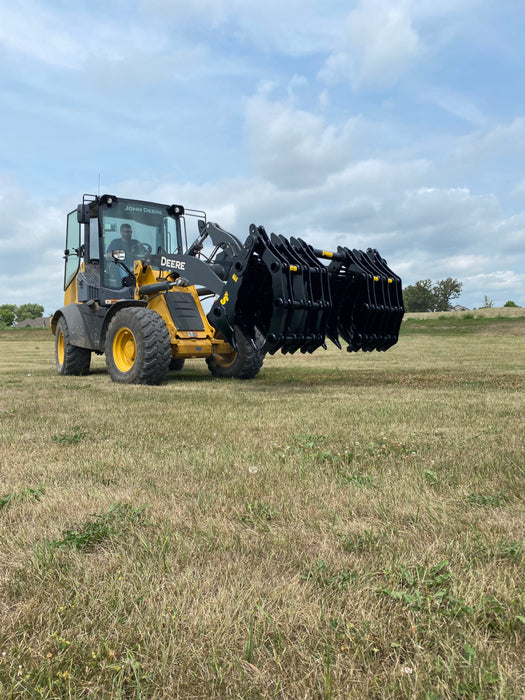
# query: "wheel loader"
{"type": "Point", "coordinates": [135, 291]}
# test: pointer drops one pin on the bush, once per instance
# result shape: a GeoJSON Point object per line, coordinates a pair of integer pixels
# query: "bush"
{"type": "Point", "coordinates": [512, 303]}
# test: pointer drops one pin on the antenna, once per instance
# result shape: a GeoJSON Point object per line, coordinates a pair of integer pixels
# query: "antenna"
{"type": "Point", "coordinates": [98, 193]}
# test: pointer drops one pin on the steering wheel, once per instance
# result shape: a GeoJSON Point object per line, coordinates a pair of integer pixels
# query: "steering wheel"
{"type": "Point", "coordinates": [141, 249]}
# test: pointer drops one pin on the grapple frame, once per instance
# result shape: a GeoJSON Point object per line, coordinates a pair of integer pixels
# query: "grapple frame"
{"type": "Point", "coordinates": [282, 297]}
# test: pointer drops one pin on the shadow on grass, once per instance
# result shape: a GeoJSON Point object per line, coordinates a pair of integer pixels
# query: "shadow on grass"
{"type": "Point", "coordinates": [302, 378]}
{"type": "Point", "coordinates": [305, 378]}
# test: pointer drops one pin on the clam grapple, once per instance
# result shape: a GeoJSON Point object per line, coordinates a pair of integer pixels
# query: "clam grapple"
{"type": "Point", "coordinates": [135, 291]}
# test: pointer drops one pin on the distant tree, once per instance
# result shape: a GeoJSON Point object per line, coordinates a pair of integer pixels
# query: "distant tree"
{"type": "Point", "coordinates": [419, 296]}
{"type": "Point", "coordinates": [444, 291]}
{"type": "Point", "coordinates": [511, 303]}
{"type": "Point", "coordinates": [10, 313]}
{"type": "Point", "coordinates": [488, 303]}
{"type": "Point", "coordinates": [7, 314]}
{"type": "Point", "coordinates": [424, 296]}
{"type": "Point", "coordinates": [26, 311]}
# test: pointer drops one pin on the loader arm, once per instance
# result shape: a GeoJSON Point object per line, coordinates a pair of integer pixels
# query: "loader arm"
{"type": "Point", "coordinates": [219, 237]}
{"type": "Point", "coordinates": [210, 274]}
{"type": "Point", "coordinates": [196, 271]}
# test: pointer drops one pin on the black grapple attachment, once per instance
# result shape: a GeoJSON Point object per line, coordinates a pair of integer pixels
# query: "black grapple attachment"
{"type": "Point", "coordinates": [281, 296]}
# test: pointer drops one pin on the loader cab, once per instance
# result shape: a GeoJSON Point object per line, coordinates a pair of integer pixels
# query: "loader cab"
{"type": "Point", "coordinates": [135, 229]}
{"type": "Point", "coordinates": [101, 225]}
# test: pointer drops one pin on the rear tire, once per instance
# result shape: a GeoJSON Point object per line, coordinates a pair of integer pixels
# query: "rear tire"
{"type": "Point", "coordinates": [243, 364]}
{"type": "Point", "coordinates": [137, 347]}
{"type": "Point", "coordinates": [70, 359]}
{"type": "Point", "coordinates": [176, 365]}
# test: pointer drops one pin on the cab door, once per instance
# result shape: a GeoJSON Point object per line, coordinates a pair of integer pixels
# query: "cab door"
{"type": "Point", "coordinates": [72, 255]}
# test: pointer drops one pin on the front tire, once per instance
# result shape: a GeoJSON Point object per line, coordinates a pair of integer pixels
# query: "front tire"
{"type": "Point", "coordinates": [137, 347]}
{"type": "Point", "coordinates": [70, 359]}
{"type": "Point", "coordinates": [243, 364]}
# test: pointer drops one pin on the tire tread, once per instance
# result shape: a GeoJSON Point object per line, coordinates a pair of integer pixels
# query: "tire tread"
{"type": "Point", "coordinates": [245, 366]}
{"type": "Point", "coordinates": [77, 360]}
{"type": "Point", "coordinates": [149, 329]}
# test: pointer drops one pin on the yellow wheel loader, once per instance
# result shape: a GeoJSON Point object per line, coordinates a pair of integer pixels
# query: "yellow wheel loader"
{"type": "Point", "coordinates": [133, 289]}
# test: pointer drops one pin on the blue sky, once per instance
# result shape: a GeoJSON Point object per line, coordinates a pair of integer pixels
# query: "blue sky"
{"type": "Point", "coordinates": [396, 125]}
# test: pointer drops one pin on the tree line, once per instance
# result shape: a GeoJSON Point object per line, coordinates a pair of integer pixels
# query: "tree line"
{"type": "Point", "coordinates": [10, 314]}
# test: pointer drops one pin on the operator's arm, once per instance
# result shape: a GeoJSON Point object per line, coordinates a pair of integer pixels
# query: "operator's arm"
{"type": "Point", "coordinates": [114, 245]}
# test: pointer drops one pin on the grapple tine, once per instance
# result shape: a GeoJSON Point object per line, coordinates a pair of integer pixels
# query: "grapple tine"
{"type": "Point", "coordinates": [276, 319]}
{"type": "Point", "coordinates": [275, 264]}
{"type": "Point", "coordinates": [370, 316]}
{"type": "Point", "coordinates": [292, 272]}
{"type": "Point", "coordinates": [349, 299]}
{"type": "Point", "coordinates": [394, 299]}
{"type": "Point", "coordinates": [319, 299]}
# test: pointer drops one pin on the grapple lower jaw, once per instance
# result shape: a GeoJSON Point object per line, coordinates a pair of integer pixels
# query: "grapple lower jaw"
{"type": "Point", "coordinates": [282, 297]}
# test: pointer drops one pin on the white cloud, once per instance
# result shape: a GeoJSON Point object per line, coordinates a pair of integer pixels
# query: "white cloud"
{"type": "Point", "coordinates": [381, 177]}
{"type": "Point", "coordinates": [506, 139]}
{"type": "Point", "coordinates": [291, 28]}
{"type": "Point", "coordinates": [451, 214]}
{"type": "Point", "coordinates": [435, 10]}
{"type": "Point", "coordinates": [499, 279]}
{"type": "Point", "coordinates": [31, 30]}
{"type": "Point", "coordinates": [116, 50]}
{"type": "Point", "coordinates": [463, 264]}
{"type": "Point", "coordinates": [380, 45]}
{"type": "Point", "coordinates": [293, 148]}
{"type": "Point", "coordinates": [519, 189]}
{"type": "Point", "coordinates": [458, 105]}
{"type": "Point", "coordinates": [32, 240]}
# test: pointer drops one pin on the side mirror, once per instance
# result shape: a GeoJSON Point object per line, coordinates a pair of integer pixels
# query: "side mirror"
{"type": "Point", "coordinates": [119, 255]}
{"type": "Point", "coordinates": [83, 214]}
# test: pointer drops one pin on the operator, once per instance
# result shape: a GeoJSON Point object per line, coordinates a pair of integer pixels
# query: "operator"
{"type": "Point", "coordinates": [126, 243]}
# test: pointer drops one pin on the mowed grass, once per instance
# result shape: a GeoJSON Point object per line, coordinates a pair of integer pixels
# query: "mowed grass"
{"type": "Point", "coordinates": [342, 526]}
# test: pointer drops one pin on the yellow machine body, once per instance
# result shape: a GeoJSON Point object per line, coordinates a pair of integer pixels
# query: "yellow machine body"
{"type": "Point", "coordinates": [185, 344]}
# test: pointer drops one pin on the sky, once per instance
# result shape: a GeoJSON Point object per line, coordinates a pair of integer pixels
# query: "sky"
{"type": "Point", "coordinates": [397, 125]}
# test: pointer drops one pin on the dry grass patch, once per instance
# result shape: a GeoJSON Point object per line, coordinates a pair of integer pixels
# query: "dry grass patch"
{"type": "Point", "coordinates": [342, 526]}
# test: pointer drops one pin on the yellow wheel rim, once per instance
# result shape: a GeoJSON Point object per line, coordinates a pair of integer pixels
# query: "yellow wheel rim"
{"type": "Point", "coordinates": [124, 349]}
{"type": "Point", "coordinates": [226, 360]}
{"type": "Point", "coordinates": [60, 348]}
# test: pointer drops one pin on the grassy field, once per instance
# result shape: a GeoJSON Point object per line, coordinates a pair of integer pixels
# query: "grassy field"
{"type": "Point", "coordinates": [343, 526]}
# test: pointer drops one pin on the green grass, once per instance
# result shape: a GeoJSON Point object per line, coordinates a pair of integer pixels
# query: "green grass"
{"type": "Point", "coordinates": [463, 323]}
{"type": "Point", "coordinates": [345, 525]}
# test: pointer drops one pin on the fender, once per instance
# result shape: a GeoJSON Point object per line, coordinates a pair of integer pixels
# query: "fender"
{"type": "Point", "coordinates": [83, 324]}
{"type": "Point", "coordinates": [111, 311]}
{"type": "Point", "coordinates": [87, 324]}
